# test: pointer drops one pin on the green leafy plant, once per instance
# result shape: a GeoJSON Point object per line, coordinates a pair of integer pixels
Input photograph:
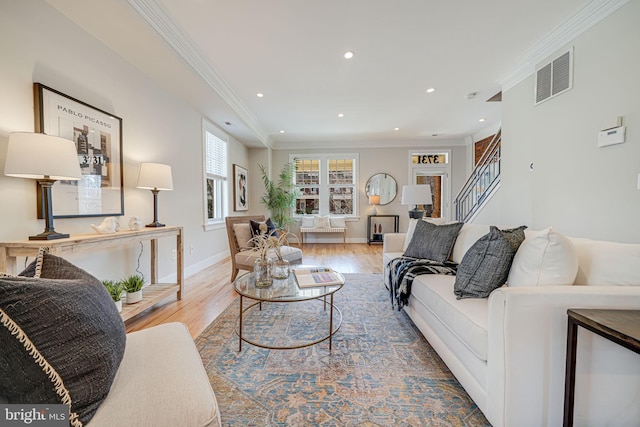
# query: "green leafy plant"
{"type": "Point", "coordinates": [133, 283]}
{"type": "Point", "coordinates": [280, 196]}
{"type": "Point", "coordinates": [114, 288]}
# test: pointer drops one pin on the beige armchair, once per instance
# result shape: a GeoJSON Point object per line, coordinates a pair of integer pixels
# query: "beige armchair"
{"type": "Point", "coordinates": [242, 254]}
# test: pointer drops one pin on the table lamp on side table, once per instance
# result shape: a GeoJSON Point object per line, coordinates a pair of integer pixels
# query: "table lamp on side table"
{"type": "Point", "coordinates": [155, 177]}
{"type": "Point", "coordinates": [374, 200]}
{"type": "Point", "coordinates": [417, 194]}
{"type": "Point", "coordinates": [46, 159]}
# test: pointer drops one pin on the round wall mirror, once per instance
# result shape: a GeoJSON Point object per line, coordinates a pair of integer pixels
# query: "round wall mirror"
{"type": "Point", "coordinates": [383, 185]}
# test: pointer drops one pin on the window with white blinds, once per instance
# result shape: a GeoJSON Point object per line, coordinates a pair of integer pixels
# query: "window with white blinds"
{"type": "Point", "coordinates": [215, 164]}
{"type": "Point", "coordinates": [216, 156]}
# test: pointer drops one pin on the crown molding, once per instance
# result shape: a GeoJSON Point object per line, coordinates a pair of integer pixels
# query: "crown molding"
{"type": "Point", "coordinates": [592, 13]}
{"type": "Point", "coordinates": [155, 15]}
{"type": "Point", "coordinates": [371, 144]}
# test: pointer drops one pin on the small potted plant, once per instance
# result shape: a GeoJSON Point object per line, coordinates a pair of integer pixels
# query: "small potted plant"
{"type": "Point", "coordinates": [115, 289]}
{"type": "Point", "coordinates": [133, 285]}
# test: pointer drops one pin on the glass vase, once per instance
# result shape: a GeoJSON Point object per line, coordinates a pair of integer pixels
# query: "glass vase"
{"type": "Point", "coordinates": [281, 269]}
{"type": "Point", "coordinates": [263, 270]}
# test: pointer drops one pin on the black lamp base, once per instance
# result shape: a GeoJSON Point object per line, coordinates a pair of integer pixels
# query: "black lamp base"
{"type": "Point", "coordinates": [416, 214]}
{"type": "Point", "coordinates": [155, 224]}
{"type": "Point", "coordinates": [49, 235]}
{"type": "Point", "coordinates": [49, 232]}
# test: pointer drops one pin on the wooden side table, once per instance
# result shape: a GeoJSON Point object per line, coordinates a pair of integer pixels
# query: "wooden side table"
{"type": "Point", "coordinates": [620, 326]}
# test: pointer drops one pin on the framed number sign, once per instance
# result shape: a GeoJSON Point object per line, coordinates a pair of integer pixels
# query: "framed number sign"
{"type": "Point", "coordinates": [97, 135]}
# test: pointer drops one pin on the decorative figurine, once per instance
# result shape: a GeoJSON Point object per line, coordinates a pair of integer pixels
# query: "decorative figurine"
{"type": "Point", "coordinates": [135, 223]}
{"type": "Point", "coordinates": [109, 226]}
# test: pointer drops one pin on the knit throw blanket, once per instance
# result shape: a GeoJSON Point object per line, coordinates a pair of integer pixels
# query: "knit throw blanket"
{"type": "Point", "coordinates": [403, 270]}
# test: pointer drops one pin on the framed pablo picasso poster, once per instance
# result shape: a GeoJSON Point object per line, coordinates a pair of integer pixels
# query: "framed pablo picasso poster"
{"type": "Point", "coordinates": [97, 135]}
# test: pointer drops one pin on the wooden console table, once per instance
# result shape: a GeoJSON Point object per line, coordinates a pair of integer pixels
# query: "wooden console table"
{"type": "Point", "coordinates": [619, 326]}
{"type": "Point", "coordinates": [152, 294]}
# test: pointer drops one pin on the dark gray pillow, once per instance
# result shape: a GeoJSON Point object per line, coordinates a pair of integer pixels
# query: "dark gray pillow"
{"type": "Point", "coordinates": [485, 266]}
{"type": "Point", "coordinates": [54, 267]}
{"type": "Point", "coordinates": [256, 228]}
{"type": "Point", "coordinates": [62, 339]}
{"type": "Point", "coordinates": [434, 242]}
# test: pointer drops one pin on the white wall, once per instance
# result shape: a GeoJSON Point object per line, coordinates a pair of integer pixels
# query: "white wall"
{"type": "Point", "coordinates": [258, 156]}
{"type": "Point", "coordinates": [580, 189]}
{"type": "Point", "coordinates": [37, 44]}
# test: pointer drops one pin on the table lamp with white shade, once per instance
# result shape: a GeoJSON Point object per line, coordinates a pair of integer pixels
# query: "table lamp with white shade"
{"type": "Point", "coordinates": [374, 200]}
{"type": "Point", "coordinates": [416, 194]}
{"type": "Point", "coordinates": [46, 159]}
{"type": "Point", "coordinates": [155, 177]}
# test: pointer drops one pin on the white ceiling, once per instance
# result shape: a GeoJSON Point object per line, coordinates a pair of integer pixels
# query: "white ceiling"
{"type": "Point", "coordinates": [292, 52]}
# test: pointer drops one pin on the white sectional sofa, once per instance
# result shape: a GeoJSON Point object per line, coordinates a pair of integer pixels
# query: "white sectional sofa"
{"type": "Point", "coordinates": [508, 350]}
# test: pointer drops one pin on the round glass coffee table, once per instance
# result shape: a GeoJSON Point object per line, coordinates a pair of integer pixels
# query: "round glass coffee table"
{"type": "Point", "coordinates": [287, 291]}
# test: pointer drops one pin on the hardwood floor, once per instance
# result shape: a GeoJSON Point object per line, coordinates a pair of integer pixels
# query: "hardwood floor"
{"type": "Point", "coordinates": [209, 292]}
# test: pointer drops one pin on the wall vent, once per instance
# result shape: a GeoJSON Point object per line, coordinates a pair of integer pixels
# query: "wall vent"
{"type": "Point", "coordinates": [555, 77]}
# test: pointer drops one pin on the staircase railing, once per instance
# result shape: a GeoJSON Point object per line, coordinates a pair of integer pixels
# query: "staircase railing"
{"type": "Point", "coordinates": [483, 181]}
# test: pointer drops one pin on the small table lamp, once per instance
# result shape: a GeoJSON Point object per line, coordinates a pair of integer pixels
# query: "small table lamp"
{"type": "Point", "coordinates": [46, 159]}
{"type": "Point", "coordinates": [374, 200]}
{"type": "Point", "coordinates": [155, 177]}
{"type": "Point", "coordinates": [417, 194]}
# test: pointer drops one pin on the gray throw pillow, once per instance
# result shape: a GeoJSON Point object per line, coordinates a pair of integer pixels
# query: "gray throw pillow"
{"type": "Point", "coordinates": [62, 339]}
{"type": "Point", "coordinates": [433, 242]}
{"type": "Point", "coordinates": [486, 264]}
{"type": "Point", "coordinates": [54, 267]}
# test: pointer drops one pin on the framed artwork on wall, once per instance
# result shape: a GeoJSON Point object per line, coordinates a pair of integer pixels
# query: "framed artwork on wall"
{"type": "Point", "coordinates": [240, 191]}
{"type": "Point", "coordinates": [97, 135]}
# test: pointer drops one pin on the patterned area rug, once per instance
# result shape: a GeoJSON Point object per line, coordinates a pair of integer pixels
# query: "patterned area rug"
{"type": "Point", "coordinates": [380, 372]}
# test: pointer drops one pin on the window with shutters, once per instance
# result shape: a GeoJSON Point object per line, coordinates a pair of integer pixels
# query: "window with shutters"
{"type": "Point", "coordinates": [215, 167]}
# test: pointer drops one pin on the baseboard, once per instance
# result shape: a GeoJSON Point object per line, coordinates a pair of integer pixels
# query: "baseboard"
{"type": "Point", "coordinates": [197, 267]}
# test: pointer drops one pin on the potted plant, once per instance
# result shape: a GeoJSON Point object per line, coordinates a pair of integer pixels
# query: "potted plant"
{"type": "Point", "coordinates": [280, 196]}
{"type": "Point", "coordinates": [133, 285]}
{"type": "Point", "coordinates": [115, 290]}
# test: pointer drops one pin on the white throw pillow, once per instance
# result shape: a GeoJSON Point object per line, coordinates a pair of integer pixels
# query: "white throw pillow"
{"type": "Point", "coordinates": [322, 222]}
{"type": "Point", "coordinates": [545, 258]}
{"type": "Point", "coordinates": [338, 222]}
{"type": "Point", "coordinates": [468, 235]}
{"type": "Point", "coordinates": [604, 263]}
{"type": "Point", "coordinates": [243, 235]}
{"type": "Point", "coordinates": [307, 221]}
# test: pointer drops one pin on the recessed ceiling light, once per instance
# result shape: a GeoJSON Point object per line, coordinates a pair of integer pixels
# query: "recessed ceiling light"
{"type": "Point", "coordinates": [349, 55]}
{"type": "Point", "coordinates": [482, 120]}
{"type": "Point", "coordinates": [431, 90]}
{"type": "Point", "coordinates": [259, 94]}
{"type": "Point", "coordinates": [282, 131]}
{"type": "Point", "coordinates": [396, 128]}
{"type": "Point", "coordinates": [340, 115]}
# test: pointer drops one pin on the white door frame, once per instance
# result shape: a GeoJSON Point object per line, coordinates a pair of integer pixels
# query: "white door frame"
{"type": "Point", "coordinates": [440, 169]}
